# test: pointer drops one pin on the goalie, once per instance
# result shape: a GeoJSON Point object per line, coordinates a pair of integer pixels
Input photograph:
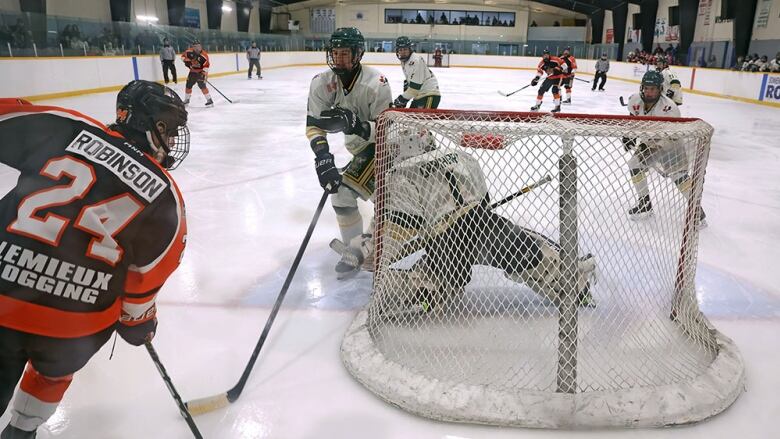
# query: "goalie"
{"type": "Point", "coordinates": [441, 197]}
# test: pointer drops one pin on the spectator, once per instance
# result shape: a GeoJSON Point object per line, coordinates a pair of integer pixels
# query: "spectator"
{"type": "Point", "coordinates": [774, 65]}
{"type": "Point", "coordinates": [5, 36]}
{"type": "Point", "coordinates": [759, 64]}
{"type": "Point", "coordinates": [443, 19]}
{"type": "Point", "coordinates": [658, 50]}
{"type": "Point", "coordinates": [419, 19]}
{"type": "Point", "coordinates": [533, 23]}
{"type": "Point", "coordinates": [556, 24]}
{"type": "Point", "coordinates": [738, 65]}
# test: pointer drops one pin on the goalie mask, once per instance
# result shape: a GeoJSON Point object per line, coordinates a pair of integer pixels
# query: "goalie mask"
{"type": "Point", "coordinates": [341, 61]}
{"type": "Point", "coordinates": [153, 118]}
{"type": "Point", "coordinates": [410, 142]}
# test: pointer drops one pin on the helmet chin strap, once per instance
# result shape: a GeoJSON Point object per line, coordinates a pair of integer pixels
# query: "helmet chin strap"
{"type": "Point", "coordinates": [167, 161]}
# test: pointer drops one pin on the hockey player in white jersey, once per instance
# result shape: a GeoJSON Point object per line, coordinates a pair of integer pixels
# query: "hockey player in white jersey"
{"type": "Point", "coordinates": [420, 85]}
{"type": "Point", "coordinates": [440, 196]}
{"type": "Point", "coordinates": [668, 156]}
{"type": "Point", "coordinates": [346, 98]}
{"type": "Point", "coordinates": [672, 86]}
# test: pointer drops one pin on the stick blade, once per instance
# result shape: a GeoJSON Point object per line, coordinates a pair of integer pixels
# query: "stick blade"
{"type": "Point", "coordinates": [502, 93]}
{"type": "Point", "coordinates": [208, 404]}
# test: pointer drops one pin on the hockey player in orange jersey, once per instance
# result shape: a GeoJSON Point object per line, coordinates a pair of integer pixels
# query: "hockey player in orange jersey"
{"type": "Point", "coordinates": [197, 60]}
{"type": "Point", "coordinates": [92, 230]}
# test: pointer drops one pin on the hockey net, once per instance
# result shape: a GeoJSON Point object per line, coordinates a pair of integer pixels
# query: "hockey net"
{"type": "Point", "coordinates": [435, 61]}
{"type": "Point", "coordinates": [461, 326]}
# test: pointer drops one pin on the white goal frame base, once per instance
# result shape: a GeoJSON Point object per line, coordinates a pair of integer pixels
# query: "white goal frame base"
{"type": "Point", "coordinates": [682, 403]}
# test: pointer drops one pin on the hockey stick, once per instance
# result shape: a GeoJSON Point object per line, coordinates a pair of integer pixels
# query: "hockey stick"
{"type": "Point", "coordinates": [622, 102]}
{"type": "Point", "coordinates": [168, 383]}
{"type": "Point", "coordinates": [204, 405]}
{"type": "Point", "coordinates": [583, 80]}
{"type": "Point", "coordinates": [547, 178]}
{"type": "Point", "coordinates": [223, 94]}
{"type": "Point", "coordinates": [413, 245]}
{"type": "Point", "coordinates": [506, 95]}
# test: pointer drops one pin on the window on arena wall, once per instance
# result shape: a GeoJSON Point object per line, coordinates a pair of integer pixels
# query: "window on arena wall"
{"type": "Point", "coordinates": [449, 17]}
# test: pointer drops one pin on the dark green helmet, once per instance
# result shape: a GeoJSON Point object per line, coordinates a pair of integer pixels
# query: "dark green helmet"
{"type": "Point", "coordinates": [403, 43]}
{"type": "Point", "coordinates": [346, 37]}
{"type": "Point", "coordinates": [651, 79]}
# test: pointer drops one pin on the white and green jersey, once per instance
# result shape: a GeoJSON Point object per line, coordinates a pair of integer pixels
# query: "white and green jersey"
{"type": "Point", "coordinates": [420, 81]}
{"type": "Point", "coordinates": [672, 83]}
{"type": "Point", "coordinates": [367, 96]}
{"type": "Point", "coordinates": [429, 191]}
{"type": "Point", "coordinates": [665, 107]}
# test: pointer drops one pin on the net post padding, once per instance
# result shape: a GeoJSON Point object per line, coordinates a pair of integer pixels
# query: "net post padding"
{"type": "Point", "coordinates": [702, 398]}
{"type": "Point", "coordinates": [643, 356]}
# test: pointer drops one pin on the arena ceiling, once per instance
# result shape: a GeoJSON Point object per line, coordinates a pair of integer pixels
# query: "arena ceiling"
{"type": "Point", "coordinates": [586, 7]}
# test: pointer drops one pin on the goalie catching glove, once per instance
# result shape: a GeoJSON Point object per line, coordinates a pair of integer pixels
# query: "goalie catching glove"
{"type": "Point", "coordinates": [400, 102]}
{"type": "Point", "coordinates": [340, 119]}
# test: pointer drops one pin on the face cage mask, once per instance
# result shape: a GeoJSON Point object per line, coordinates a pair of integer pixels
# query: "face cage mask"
{"type": "Point", "coordinates": [177, 147]}
{"type": "Point", "coordinates": [357, 55]}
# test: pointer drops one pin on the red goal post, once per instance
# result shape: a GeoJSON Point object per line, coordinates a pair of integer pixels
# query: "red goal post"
{"type": "Point", "coordinates": [497, 350]}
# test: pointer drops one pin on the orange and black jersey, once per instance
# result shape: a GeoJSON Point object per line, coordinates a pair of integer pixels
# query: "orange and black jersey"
{"type": "Point", "coordinates": [554, 63]}
{"type": "Point", "coordinates": [91, 230]}
{"type": "Point", "coordinates": [571, 64]}
{"type": "Point", "coordinates": [196, 62]}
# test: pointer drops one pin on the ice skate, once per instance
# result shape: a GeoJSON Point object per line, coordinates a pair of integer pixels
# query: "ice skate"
{"type": "Point", "coordinates": [643, 209]}
{"type": "Point", "coordinates": [536, 107]}
{"type": "Point", "coordinates": [557, 109]}
{"type": "Point", "coordinates": [11, 432]}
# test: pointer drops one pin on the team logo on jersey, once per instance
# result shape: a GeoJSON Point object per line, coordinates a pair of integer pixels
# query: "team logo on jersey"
{"type": "Point", "coordinates": [382, 79]}
{"type": "Point", "coordinates": [636, 109]}
{"type": "Point", "coordinates": [121, 115]}
{"type": "Point", "coordinates": [143, 181]}
{"type": "Point", "coordinates": [667, 108]}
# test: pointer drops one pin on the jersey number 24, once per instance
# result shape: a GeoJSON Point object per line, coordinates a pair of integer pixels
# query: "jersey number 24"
{"type": "Point", "coordinates": [103, 220]}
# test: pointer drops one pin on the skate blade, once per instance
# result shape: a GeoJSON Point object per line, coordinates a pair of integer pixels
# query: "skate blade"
{"type": "Point", "coordinates": [640, 216]}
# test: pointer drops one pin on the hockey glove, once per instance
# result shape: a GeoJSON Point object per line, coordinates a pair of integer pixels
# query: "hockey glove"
{"type": "Point", "coordinates": [138, 334]}
{"type": "Point", "coordinates": [628, 144]}
{"type": "Point", "coordinates": [329, 176]}
{"type": "Point", "coordinates": [340, 119]}
{"type": "Point", "coordinates": [400, 102]}
{"type": "Point", "coordinates": [535, 81]}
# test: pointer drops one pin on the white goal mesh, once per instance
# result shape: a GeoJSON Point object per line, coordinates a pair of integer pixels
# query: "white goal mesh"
{"type": "Point", "coordinates": [512, 287]}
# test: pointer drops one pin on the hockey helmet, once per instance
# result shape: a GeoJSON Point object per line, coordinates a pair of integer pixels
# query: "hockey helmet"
{"type": "Point", "coordinates": [141, 105]}
{"type": "Point", "coordinates": [403, 43]}
{"type": "Point", "coordinates": [345, 37]}
{"type": "Point", "coordinates": [660, 62]}
{"type": "Point", "coordinates": [651, 79]}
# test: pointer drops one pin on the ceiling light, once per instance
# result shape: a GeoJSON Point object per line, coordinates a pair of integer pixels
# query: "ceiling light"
{"type": "Point", "coordinates": [226, 8]}
{"type": "Point", "coordinates": [147, 18]}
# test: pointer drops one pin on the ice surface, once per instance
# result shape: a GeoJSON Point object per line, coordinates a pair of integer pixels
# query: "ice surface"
{"type": "Point", "coordinates": [251, 190]}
